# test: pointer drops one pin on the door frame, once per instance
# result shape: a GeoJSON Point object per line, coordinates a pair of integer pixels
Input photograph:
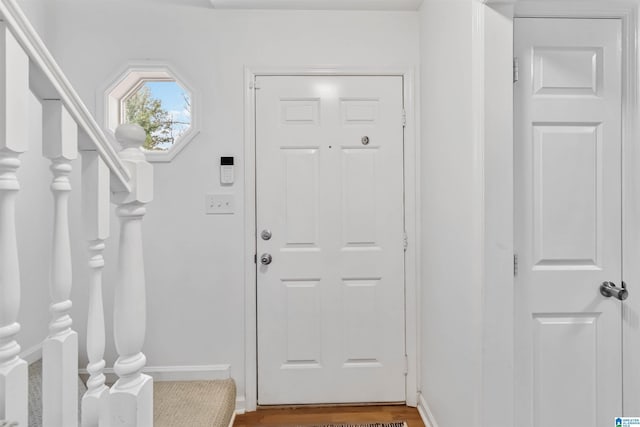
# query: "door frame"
{"type": "Point", "coordinates": [628, 12]}
{"type": "Point", "coordinates": [411, 216]}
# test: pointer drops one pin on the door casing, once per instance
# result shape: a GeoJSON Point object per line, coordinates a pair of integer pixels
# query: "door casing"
{"type": "Point", "coordinates": [412, 214]}
{"type": "Point", "coordinates": [627, 11]}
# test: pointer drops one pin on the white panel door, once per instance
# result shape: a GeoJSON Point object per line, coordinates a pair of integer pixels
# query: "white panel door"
{"type": "Point", "coordinates": [568, 222]}
{"type": "Point", "coordinates": [329, 183]}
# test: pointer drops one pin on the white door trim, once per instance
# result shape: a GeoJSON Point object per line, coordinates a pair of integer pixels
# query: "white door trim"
{"type": "Point", "coordinates": [412, 214]}
{"type": "Point", "coordinates": [627, 11]}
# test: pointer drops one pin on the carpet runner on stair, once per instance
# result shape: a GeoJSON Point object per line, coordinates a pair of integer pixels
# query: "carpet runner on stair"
{"type": "Point", "coordinates": [176, 403]}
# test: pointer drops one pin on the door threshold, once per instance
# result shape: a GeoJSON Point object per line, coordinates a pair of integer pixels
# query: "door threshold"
{"type": "Point", "coordinates": [329, 405]}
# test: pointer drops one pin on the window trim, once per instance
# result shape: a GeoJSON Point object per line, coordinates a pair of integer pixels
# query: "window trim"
{"type": "Point", "coordinates": [126, 80]}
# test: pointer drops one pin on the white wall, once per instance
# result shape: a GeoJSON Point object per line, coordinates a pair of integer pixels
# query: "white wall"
{"type": "Point", "coordinates": [36, 11]}
{"type": "Point", "coordinates": [452, 211]}
{"type": "Point", "coordinates": [467, 182]}
{"type": "Point", "coordinates": [498, 328]}
{"type": "Point", "coordinates": [195, 262]}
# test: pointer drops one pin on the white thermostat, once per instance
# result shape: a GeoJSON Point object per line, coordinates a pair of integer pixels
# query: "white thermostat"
{"type": "Point", "coordinates": [226, 170]}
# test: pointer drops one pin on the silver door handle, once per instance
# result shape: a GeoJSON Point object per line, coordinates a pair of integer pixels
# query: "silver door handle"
{"type": "Point", "coordinates": [265, 259]}
{"type": "Point", "coordinates": [609, 289]}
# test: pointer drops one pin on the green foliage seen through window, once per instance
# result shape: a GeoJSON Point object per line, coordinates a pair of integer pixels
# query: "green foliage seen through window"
{"type": "Point", "coordinates": [163, 109]}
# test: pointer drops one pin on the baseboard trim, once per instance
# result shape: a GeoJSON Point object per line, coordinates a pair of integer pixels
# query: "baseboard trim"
{"type": "Point", "coordinates": [189, 373]}
{"type": "Point", "coordinates": [241, 405]}
{"type": "Point", "coordinates": [32, 354]}
{"type": "Point", "coordinates": [425, 412]}
{"type": "Point", "coordinates": [177, 373]}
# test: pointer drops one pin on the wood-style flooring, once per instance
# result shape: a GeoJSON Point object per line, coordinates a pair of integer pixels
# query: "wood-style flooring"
{"type": "Point", "coordinates": [286, 416]}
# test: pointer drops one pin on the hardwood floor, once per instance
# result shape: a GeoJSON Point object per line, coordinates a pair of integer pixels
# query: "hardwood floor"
{"type": "Point", "coordinates": [286, 416]}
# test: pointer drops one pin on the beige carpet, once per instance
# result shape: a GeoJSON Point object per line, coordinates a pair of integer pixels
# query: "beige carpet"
{"type": "Point", "coordinates": [193, 403]}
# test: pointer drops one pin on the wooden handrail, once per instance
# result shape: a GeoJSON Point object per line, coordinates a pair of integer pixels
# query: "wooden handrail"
{"type": "Point", "coordinates": [26, 35]}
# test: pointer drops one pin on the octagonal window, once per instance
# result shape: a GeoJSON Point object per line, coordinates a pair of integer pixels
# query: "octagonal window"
{"type": "Point", "coordinates": [155, 99]}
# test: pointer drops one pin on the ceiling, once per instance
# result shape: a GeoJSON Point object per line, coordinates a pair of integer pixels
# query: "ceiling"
{"type": "Point", "coordinates": [285, 4]}
{"type": "Point", "coordinates": [190, 3]}
{"type": "Point", "coordinates": [318, 4]}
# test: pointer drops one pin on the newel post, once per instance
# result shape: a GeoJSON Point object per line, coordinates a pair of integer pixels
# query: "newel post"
{"type": "Point", "coordinates": [132, 394]}
{"type": "Point", "coordinates": [14, 125]}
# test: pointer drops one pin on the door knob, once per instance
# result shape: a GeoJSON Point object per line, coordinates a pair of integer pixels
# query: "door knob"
{"type": "Point", "coordinates": [265, 259]}
{"type": "Point", "coordinates": [266, 234]}
{"type": "Point", "coordinates": [609, 289]}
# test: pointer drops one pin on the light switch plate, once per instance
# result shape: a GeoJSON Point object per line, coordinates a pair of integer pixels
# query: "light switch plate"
{"type": "Point", "coordinates": [219, 204]}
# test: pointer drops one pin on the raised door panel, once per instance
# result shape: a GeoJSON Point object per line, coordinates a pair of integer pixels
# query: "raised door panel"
{"type": "Point", "coordinates": [567, 180]}
{"type": "Point", "coordinates": [361, 310]}
{"type": "Point", "coordinates": [359, 197]}
{"type": "Point", "coordinates": [303, 322]}
{"type": "Point", "coordinates": [567, 70]}
{"type": "Point", "coordinates": [301, 197]}
{"type": "Point", "coordinates": [565, 368]}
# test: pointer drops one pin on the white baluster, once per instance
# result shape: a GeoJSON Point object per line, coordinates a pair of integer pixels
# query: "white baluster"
{"type": "Point", "coordinates": [60, 348]}
{"type": "Point", "coordinates": [96, 212]}
{"type": "Point", "coordinates": [132, 394]}
{"type": "Point", "coordinates": [14, 124]}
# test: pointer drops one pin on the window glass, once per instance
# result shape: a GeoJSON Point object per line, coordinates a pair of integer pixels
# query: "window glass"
{"type": "Point", "coordinates": [162, 108]}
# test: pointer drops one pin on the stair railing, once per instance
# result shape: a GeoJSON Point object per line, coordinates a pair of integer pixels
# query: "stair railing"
{"type": "Point", "coordinates": [123, 178]}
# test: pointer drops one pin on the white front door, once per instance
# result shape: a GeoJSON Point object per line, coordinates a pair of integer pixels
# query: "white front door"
{"type": "Point", "coordinates": [568, 222]}
{"type": "Point", "coordinates": [330, 214]}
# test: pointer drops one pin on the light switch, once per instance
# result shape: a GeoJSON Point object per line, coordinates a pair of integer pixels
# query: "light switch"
{"type": "Point", "coordinates": [219, 204]}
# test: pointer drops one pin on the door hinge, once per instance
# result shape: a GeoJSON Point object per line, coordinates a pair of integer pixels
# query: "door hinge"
{"type": "Point", "coordinates": [255, 258]}
{"type": "Point", "coordinates": [405, 241]}
{"type": "Point", "coordinates": [404, 118]}
{"type": "Point", "coordinates": [406, 365]}
{"type": "Point", "coordinates": [516, 70]}
{"type": "Point", "coordinates": [515, 264]}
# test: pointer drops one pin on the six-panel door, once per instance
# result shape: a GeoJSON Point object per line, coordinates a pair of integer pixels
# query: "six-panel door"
{"type": "Point", "coordinates": [568, 222]}
{"type": "Point", "coordinates": [329, 180]}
